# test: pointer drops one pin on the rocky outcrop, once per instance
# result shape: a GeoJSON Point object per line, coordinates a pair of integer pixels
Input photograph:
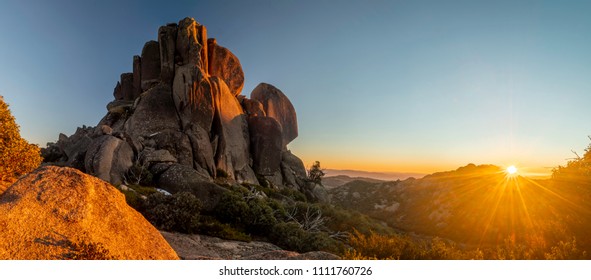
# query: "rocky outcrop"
{"type": "Point", "coordinates": [167, 40]}
{"type": "Point", "coordinates": [127, 92]}
{"type": "Point", "coordinates": [278, 106]}
{"type": "Point", "coordinates": [180, 178]}
{"type": "Point", "coordinates": [71, 150]}
{"type": "Point", "coordinates": [154, 113]}
{"type": "Point", "coordinates": [181, 106]}
{"type": "Point", "coordinates": [225, 65]}
{"type": "Point", "coordinates": [293, 170]}
{"type": "Point", "coordinates": [150, 65]}
{"type": "Point", "coordinates": [231, 128]}
{"type": "Point", "coordinates": [191, 43]}
{"type": "Point", "coordinates": [266, 144]}
{"type": "Point", "coordinates": [193, 97]}
{"type": "Point", "coordinates": [252, 108]}
{"type": "Point", "coordinates": [109, 158]}
{"type": "Point", "coordinates": [137, 75]}
{"type": "Point", "coordinates": [51, 212]}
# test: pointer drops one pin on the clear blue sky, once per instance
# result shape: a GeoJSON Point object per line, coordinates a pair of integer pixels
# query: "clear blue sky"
{"type": "Point", "coordinates": [377, 85]}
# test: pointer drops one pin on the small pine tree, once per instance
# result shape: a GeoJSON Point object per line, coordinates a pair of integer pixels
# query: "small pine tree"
{"type": "Point", "coordinates": [17, 156]}
{"type": "Point", "coordinates": [315, 173]}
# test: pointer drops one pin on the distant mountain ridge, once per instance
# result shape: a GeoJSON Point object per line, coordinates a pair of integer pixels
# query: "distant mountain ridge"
{"type": "Point", "coordinates": [340, 180]}
{"type": "Point", "coordinates": [382, 176]}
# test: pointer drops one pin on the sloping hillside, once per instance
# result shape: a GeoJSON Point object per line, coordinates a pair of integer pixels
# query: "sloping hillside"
{"type": "Point", "coordinates": [476, 206]}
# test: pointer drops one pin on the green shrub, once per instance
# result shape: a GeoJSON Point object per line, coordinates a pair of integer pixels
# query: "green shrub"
{"type": "Point", "coordinates": [178, 212]}
{"type": "Point", "coordinates": [253, 214]}
{"type": "Point", "coordinates": [232, 208]}
{"type": "Point", "coordinates": [263, 181]}
{"type": "Point", "coordinates": [133, 199]}
{"type": "Point", "coordinates": [139, 174]}
{"type": "Point", "coordinates": [134, 195]}
{"type": "Point", "coordinates": [345, 220]}
{"type": "Point", "coordinates": [291, 236]}
{"type": "Point", "coordinates": [212, 227]}
{"type": "Point", "coordinates": [142, 190]}
{"type": "Point", "coordinates": [293, 194]}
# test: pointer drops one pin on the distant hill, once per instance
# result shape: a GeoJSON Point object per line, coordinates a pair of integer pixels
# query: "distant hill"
{"type": "Point", "coordinates": [382, 176]}
{"type": "Point", "coordinates": [337, 181]}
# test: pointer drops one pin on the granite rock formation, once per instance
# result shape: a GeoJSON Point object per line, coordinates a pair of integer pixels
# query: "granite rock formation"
{"type": "Point", "coordinates": [181, 106]}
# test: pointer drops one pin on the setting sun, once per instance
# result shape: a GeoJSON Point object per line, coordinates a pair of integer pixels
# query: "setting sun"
{"type": "Point", "coordinates": [511, 170]}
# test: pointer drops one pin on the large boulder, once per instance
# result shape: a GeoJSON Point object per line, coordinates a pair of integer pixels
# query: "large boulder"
{"type": "Point", "coordinates": [75, 146]}
{"type": "Point", "coordinates": [203, 154]}
{"type": "Point", "coordinates": [315, 192]}
{"type": "Point", "coordinates": [155, 112]}
{"type": "Point", "coordinates": [109, 158]}
{"type": "Point", "coordinates": [151, 156]}
{"type": "Point", "coordinates": [265, 144]}
{"type": "Point", "coordinates": [177, 143]}
{"type": "Point", "coordinates": [278, 106]}
{"type": "Point", "coordinates": [116, 117]}
{"type": "Point", "coordinates": [181, 178]}
{"type": "Point", "coordinates": [293, 170]}
{"type": "Point", "coordinates": [232, 153]}
{"type": "Point", "coordinates": [252, 108]}
{"type": "Point", "coordinates": [53, 212]}
{"type": "Point", "coordinates": [225, 65]}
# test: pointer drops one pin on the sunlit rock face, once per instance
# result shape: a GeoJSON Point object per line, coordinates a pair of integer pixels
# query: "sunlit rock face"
{"type": "Point", "coordinates": [224, 64]}
{"type": "Point", "coordinates": [231, 129]}
{"type": "Point", "coordinates": [182, 100]}
{"type": "Point", "coordinates": [51, 212]}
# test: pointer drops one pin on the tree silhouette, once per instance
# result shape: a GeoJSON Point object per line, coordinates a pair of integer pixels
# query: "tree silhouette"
{"type": "Point", "coordinates": [17, 156]}
{"type": "Point", "coordinates": [315, 173]}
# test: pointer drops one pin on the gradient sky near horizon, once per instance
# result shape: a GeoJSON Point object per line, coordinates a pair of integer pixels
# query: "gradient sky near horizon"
{"type": "Point", "coordinates": [407, 86]}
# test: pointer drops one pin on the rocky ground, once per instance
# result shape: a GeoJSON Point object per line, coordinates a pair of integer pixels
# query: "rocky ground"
{"type": "Point", "coordinates": [202, 247]}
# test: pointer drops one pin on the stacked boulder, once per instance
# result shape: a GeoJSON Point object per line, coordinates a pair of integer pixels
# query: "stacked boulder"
{"type": "Point", "coordinates": [180, 115]}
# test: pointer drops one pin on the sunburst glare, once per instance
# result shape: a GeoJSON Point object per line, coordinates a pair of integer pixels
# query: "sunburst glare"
{"type": "Point", "coordinates": [511, 170]}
